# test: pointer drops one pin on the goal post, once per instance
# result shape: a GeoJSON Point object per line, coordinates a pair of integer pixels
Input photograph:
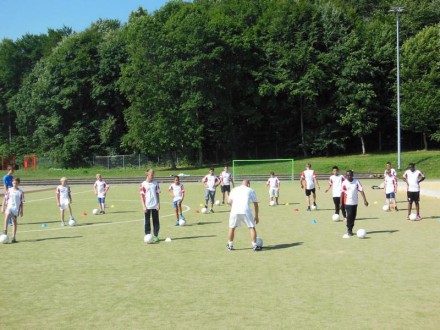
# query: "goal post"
{"type": "Point", "coordinates": [260, 169]}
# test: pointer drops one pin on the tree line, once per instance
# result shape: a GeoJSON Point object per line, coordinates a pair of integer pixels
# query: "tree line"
{"type": "Point", "coordinates": [212, 80]}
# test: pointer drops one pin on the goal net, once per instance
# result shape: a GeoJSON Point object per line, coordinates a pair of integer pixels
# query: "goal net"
{"type": "Point", "coordinates": [259, 169]}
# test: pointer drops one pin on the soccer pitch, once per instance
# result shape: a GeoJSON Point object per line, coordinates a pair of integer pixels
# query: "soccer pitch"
{"type": "Point", "coordinates": [101, 275]}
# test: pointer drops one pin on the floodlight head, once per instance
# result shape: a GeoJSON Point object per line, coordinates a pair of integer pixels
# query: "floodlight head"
{"type": "Point", "coordinates": [396, 9]}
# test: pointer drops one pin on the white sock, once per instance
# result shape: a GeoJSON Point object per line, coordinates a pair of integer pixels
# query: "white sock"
{"type": "Point", "coordinates": [254, 244]}
{"type": "Point", "coordinates": [230, 243]}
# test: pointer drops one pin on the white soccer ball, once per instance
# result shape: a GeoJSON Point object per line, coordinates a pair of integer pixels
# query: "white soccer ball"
{"type": "Point", "coordinates": [412, 216]}
{"type": "Point", "coordinates": [148, 238]}
{"type": "Point", "coordinates": [361, 233]}
{"type": "Point", "coordinates": [95, 211]}
{"type": "Point", "coordinates": [217, 202]}
{"type": "Point", "coordinates": [335, 217]}
{"type": "Point", "coordinates": [386, 208]}
{"type": "Point", "coordinates": [259, 242]}
{"type": "Point", "coordinates": [313, 207]}
{"type": "Point", "coordinates": [72, 223]}
{"type": "Point", "coordinates": [204, 210]}
{"type": "Point", "coordinates": [4, 239]}
{"type": "Point", "coordinates": [272, 203]}
{"type": "Point", "coordinates": [182, 222]}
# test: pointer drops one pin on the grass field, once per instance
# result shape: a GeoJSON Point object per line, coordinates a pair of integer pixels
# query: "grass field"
{"type": "Point", "coordinates": [427, 161]}
{"type": "Point", "coordinates": [101, 275]}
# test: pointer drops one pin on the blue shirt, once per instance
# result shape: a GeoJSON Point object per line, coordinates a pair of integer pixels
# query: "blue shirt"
{"type": "Point", "coordinates": [7, 180]}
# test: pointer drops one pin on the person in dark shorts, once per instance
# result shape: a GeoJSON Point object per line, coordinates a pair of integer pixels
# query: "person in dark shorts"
{"type": "Point", "coordinates": [413, 177]}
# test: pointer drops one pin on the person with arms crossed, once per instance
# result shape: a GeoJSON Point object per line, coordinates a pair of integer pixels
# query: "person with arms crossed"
{"type": "Point", "coordinates": [64, 199]}
{"type": "Point", "coordinates": [349, 196]}
{"type": "Point", "coordinates": [101, 188]}
{"type": "Point", "coordinates": [210, 181]}
{"type": "Point", "coordinates": [335, 182]}
{"type": "Point", "coordinates": [177, 192]}
{"type": "Point", "coordinates": [226, 180]}
{"type": "Point", "coordinates": [14, 207]}
{"type": "Point", "coordinates": [309, 177]}
{"type": "Point", "coordinates": [413, 177]}
{"type": "Point", "coordinates": [239, 199]}
{"type": "Point", "coordinates": [274, 186]}
{"type": "Point", "coordinates": [151, 204]}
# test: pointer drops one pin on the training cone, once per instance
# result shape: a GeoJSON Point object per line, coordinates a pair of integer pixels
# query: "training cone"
{"type": "Point", "coordinates": [84, 213]}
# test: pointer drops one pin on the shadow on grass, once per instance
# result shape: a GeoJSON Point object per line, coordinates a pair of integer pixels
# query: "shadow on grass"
{"type": "Point", "coordinates": [366, 218]}
{"type": "Point", "coordinates": [40, 223]}
{"type": "Point", "coordinates": [282, 246]}
{"type": "Point", "coordinates": [193, 237]}
{"type": "Point", "coordinates": [118, 212]}
{"type": "Point", "coordinates": [46, 239]}
{"type": "Point", "coordinates": [82, 224]}
{"type": "Point", "coordinates": [382, 231]}
{"type": "Point", "coordinates": [205, 223]}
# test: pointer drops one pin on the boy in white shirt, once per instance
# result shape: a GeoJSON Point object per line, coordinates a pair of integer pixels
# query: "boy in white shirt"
{"type": "Point", "coordinates": [210, 181]}
{"type": "Point", "coordinates": [413, 177]}
{"type": "Point", "coordinates": [101, 188]}
{"type": "Point", "coordinates": [151, 204]}
{"type": "Point", "coordinates": [335, 182]}
{"type": "Point", "coordinates": [226, 180]}
{"type": "Point", "coordinates": [14, 207]}
{"type": "Point", "coordinates": [309, 177]}
{"type": "Point", "coordinates": [390, 185]}
{"type": "Point", "coordinates": [177, 192]}
{"type": "Point", "coordinates": [274, 188]}
{"type": "Point", "coordinates": [64, 199]}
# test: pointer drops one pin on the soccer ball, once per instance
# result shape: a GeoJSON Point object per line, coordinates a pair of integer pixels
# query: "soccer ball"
{"type": "Point", "coordinates": [182, 222]}
{"type": "Point", "coordinates": [313, 207]}
{"type": "Point", "coordinates": [204, 210]}
{"type": "Point", "coordinates": [412, 216]}
{"type": "Point", "coordinates": [335, 217]}
{"type": "Point", "coordinates": [259, 242]}
{"type": "Point", "coordinates": [217, 202]}
{"type": "Point", "coordinates": [72, 223]}
{"type": "Point", "coordinates": [272, 203]}
{"type": "Point", "coordinates": [386, 208]}
{"type": "Point", "coordinates": [4, 239]}
{"type": "Point", "coordinates": [148, 238]}
{"type": "Point", "coordinates": [95, 211]}
{"type": "Point", "coordinates": [361, 233]}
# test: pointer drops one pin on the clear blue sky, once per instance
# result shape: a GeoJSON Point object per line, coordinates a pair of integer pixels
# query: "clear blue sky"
{"type": "Point", "coordinates": [18, 17]}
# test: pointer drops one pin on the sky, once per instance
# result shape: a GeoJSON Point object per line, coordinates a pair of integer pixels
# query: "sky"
{"type": "Point", "coordinates": [18, 17]}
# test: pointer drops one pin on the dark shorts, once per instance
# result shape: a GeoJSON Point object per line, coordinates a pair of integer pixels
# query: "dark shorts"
{"type": "Point", "coordinates": [226, 188]}
{"type": "Point", "coordinates": [101, 200]}
{"type": "Point", "coordinates": [310, 191]}
{"type": "Point", "coordinates": [413, 196]}
{"type": "Point", "coordinates": [390, 195]}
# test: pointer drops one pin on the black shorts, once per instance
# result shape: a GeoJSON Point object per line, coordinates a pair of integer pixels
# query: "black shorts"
{"type": "Point", "coordinates": [226, 188]}
{"type": "Point", "coordinates": [310, 191]}
{"type": "Point", "coordinates": [413, 196]}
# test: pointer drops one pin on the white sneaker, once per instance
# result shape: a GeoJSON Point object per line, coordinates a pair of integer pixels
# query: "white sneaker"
{"type": "Point", "coordinates": [346, 236]}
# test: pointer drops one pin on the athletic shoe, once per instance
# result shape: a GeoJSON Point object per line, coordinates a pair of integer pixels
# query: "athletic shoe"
{"type": "Point", "coordinates": [13, 240]}
{"type": "Point", "coordinates": [211, 210]}
{"type": "Point", "coordinates": [407, 217]}
{"type": "Point", "coordinates": [72, 218]}
{"type": "Point", "coordinates": [155, 239]}
{"type": "Point", "coordinates": [102, 212]}
{"type": "Point", "coordinates": [396, 209]}
{"type": "Point", "coordinates": [308, 208]}
{"type": "Point", "coordinates": [63, 223]}
{"type": "Point", "coordinates": [347, 235]}
{"type": "Point", "coordinates": [177, 223]}
{"type": "Point", "coordinates": [419, 218]}
{"type": "Point", "coordinates": [229, 247]}
{"type": "Point", "coordinates": [223, 202]}
{"type": "Point", "coordinates": [257, 248]}
{"type": "Point", "coordinates": [206, 206]}
{"type": "Point", "coordinates": [182, 217]}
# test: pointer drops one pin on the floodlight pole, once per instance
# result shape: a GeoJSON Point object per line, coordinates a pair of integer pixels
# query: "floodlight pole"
{"type": "Point", "coordinates": [398, 10]}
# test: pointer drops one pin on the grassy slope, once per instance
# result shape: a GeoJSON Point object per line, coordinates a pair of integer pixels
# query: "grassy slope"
{"type": "Point", "coordinates": [427, 161]}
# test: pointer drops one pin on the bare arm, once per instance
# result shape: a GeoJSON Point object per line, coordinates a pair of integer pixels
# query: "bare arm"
{"type": "Point", "coordinates": [365, 198]}
{"type": "Point", "coordinates": [256, 218]}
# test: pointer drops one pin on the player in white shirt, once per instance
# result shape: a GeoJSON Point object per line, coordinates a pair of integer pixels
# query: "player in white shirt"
{"type": "Point", "coordinates": [350, 189]}
{"type": "Point", "coordinates": [239, 199]}
{"type": "Point", "coordinates": [310, 182]}
{"type": "Point", "coordinates": [64, 199]}
{"type": "Point", "coordinates": [226, 180]}
{"type": "Point", "coordinates": [151, 204]}
{"type": "Point", "coordinates": [393, 171]}
{"type": "Point", "coordinates": [274, 187]}
{"type": "Point", "coordinates": [14, 207]}
{"type": "Point", "coordinates": [413, 177]}
{"type": "Point", "coordinates": [335, 182]}
{"type": "Point", "coordinates": [101, 188]}
{"type": "Point", "coordinates": [177, 192]}
{"type": "Point", "coordinates": [210, 181]}
{"type": "Point", "coordinates": [390, 186]}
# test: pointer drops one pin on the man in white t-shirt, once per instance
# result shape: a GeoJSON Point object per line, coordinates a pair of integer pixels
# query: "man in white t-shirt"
{"type": "Point", "coordinates": [226, 180]}
{"type": "Point", "coordinates": [239, 199]}
{"type": "Point", "coordinates": [210, 181]}
{"type": "Point", "coordinates": [150, 199]}
{"type": "Point", "coordinates": [413, 177]}
{"type": "Point", "coordinates": [309, 178]}
{"type": "Point", "coordinates": [350, 189]}
{"type": "Point", "coordinates": [335, 182]}
{"type": "Point", "coordinates": [274, 187]}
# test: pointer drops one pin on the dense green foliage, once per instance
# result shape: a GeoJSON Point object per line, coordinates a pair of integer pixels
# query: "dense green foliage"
{"type": "Point", "coordinates": [213, 80]}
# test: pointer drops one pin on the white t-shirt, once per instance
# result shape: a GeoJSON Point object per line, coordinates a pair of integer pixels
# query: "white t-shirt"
{"type": "Point", "coordinates": [336, 183]}
{"type": "Point", "coordinates": [149, 192]}
{"type": "Point", "coordinates": [309, 176]}
{"type": "Point", "coordinates": [210, 181]}
{"type": "Point", "coordinates": [412, 179]}
{"type": "Point", "coordinates": [226, 178]}
{"type": "Point", "coordinates": [177, 190]}
{"type": "Point", "coordinates": [101, 188]}
{"type": "Point", "coordinates": [273, 182]}
{"type": "Point", "coordinates": [241, 197]}
{"type": "Point", "coordinates": [393, 173]}
{"type": "Point", "coordinates": [350, 190]}
{"type": "Point", "coordinates": [15, 199]}
{"type": "Point", "coordinates": [390, 184]}
{"type": "Point", "coordinates": [63, 193]}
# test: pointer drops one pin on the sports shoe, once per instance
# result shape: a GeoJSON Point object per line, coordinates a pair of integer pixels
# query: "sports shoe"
{"type": "Point", "coordinates": [102, 212]}
{"type": "Point", "coordinates": [223, 202]}
{"type": "Point", "coordinates": [407, 217]}
{"type": "Point", "coordinates": [177, 223]}
{"type": "Point", "coordinates": [347, 235]}
{"type": "Point", "coordinates": [182, 217]}
{"type": "Point", "coordinates": [63, 223]}
{"type": "Point", "coordinates": [419, 218]}
{"type": "Point", "coordinates": [314, 204]}
{"type": "Point", "coordinates": [396, 209]}
{"type": "Point", "coordinates": [211, 210]}
{"type": "Point", "coordinates": [229, 247]}
{"type": "Point", "coordinates": [13, 240]}
{"type": "Point", "coordinates": [308, 208]}
{"type": "Point", "coordinates": [72, 218]}
{"type": "Point", "coordinates": [155, 239]}
{"type": "Point", "coordinates": [257, 248]}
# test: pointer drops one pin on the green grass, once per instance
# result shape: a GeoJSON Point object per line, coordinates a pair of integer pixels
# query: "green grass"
{"type": "Point", "coordinates": [100, 274]}
{"type": "Point", "coordinates": [427, 161]}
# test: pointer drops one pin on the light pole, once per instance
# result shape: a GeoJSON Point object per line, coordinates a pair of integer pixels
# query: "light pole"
{"type": "Point", "coordinates": [398, 10]}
